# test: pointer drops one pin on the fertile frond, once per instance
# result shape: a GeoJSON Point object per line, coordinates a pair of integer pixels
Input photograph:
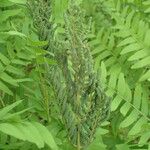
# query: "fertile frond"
{"type": "Point", "coordinates": [80, 98]}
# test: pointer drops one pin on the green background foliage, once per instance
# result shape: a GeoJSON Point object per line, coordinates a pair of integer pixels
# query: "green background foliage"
{"type": "Point", "coordinates": [119, 40]}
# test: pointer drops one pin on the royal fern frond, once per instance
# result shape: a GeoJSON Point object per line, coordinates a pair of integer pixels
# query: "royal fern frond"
{"type": "Point", "coordinates": [80, 98]}
{"type": "Point", "coordinates": [124, 49]}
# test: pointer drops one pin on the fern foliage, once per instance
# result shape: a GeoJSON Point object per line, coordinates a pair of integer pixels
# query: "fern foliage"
{"type": "Point", "coordinates": [72, 64]}
{"type": "Point", "coordinates": [82, 103]}
{"type": "Point", "coordinates": [19, 56]}
{"type": "Point", "coordinates": [123, 46]}
{"type": "Point", "coordinates": [23, 129]}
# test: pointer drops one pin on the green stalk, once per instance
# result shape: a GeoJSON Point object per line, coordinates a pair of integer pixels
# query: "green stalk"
{"type": "Point", "coordinates": [2, 102]}
{"type": "Point", "coordinates": [78, 138]}
{"type": "Point", "coordinates": [78, 146]}
{"type": "Point", "coordinates": [44, 93]}
{"type": "Point", "coordinates": [1, 99]}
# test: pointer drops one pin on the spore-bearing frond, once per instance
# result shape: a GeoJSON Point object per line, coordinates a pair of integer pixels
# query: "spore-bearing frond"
{"type": "Point", "coordinates": [83, 104]}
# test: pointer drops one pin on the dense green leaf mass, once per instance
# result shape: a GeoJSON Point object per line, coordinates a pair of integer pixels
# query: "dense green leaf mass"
{"type": "Point", "coordinates": [61, 64]}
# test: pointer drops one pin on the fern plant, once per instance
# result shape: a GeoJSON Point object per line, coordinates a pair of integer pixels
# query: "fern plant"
{"type": "Point", "coordinates": [24, 130]}
{"type": "Point", "coordinates": [19, 56]}
{"type": "Point", "coordinates": [79, 95]}
{"type": "Point", "coordinates": [64, 58]}
{"type": "Point", "coordinates": [124, 49]}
